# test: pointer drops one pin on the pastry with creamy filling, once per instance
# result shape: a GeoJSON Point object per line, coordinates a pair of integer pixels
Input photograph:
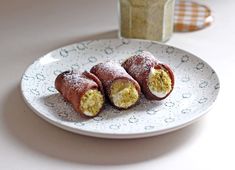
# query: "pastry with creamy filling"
{"type": "Point", "coordinates": [83, 90]}
{"type": "Point", "coordinates": [121, 89]}
{"type": "Point", "coordinates": [155, 78]}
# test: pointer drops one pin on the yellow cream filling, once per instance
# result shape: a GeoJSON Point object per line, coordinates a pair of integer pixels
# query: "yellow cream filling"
{"type": "Point", "coordinates": [159, 82]}
{"type": "Point", "coordinates": [123, 93]}
{"type": "Point", "coordinates": [91, 102]}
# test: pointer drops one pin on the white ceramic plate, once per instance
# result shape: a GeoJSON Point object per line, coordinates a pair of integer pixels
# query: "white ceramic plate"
{"type": "Point", "coordinates": [196, 89]}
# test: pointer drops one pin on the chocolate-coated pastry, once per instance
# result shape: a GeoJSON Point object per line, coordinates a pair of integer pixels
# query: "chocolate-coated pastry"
{"type": "Point", "coordinates": [155, 78]}
{"type": "Point", "coordinates": [83, 90]}
{"type": "Point", "coordinates": [122, 90]}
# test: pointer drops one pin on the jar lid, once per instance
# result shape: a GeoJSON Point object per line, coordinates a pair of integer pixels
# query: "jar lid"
{"type": "Point", "coordinates": [191, 16]}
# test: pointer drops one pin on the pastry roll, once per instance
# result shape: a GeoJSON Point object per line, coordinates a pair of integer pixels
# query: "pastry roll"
{"type": "Point", "coordinates": [122, 90]}
{"type": "Point", "coordinates": [155, 78]}
{"type": "Point", "coordinates": [83, 90]}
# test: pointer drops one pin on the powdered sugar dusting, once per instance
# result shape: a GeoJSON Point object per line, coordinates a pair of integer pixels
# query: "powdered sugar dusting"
{"type": "Point", "coordinates": [77, 80]}
{"type": "Point", "coordinates": [137, 65]}
{"type": "Point", "coordinates": [111, 68]}
{"type": "Point", "coordinates": [108, 71]}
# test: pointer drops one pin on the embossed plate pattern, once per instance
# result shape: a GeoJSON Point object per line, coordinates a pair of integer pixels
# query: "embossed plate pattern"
{"type": "Point", "coordinates": [196, 89]}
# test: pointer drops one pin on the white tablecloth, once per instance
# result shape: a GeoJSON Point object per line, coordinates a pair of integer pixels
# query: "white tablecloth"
{"type": "Point", "coordinates": [30, 29]}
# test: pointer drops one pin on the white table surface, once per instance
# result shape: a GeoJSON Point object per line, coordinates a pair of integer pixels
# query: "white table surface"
{"type": "Point", "coordinates": [30, 29]}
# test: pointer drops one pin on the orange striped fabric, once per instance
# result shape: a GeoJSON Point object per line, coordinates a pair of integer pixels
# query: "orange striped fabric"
{"type": "Point", "coordinates": [191, 16]}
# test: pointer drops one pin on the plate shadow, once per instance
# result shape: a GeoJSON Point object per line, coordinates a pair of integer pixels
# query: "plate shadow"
{"type": "Point", "coordinates": [41, 137]}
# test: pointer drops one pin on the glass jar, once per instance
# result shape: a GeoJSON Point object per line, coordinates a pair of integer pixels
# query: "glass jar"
{"type": "Point", "coordinates": [146, 19]}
